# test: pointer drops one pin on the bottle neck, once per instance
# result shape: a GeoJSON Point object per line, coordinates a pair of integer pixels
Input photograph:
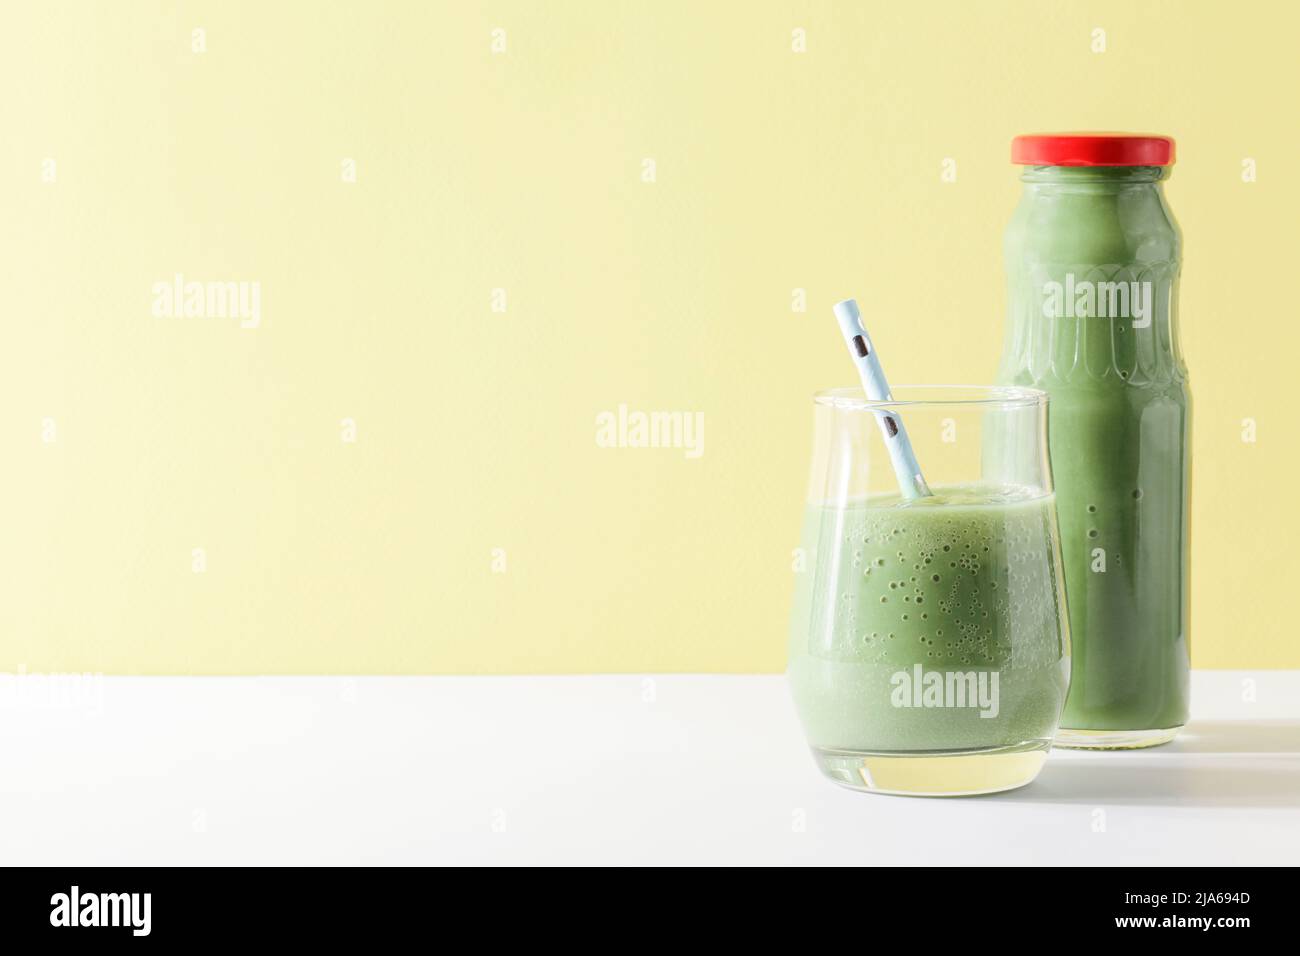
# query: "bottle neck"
{"type": "Point", "coordinates": [1103, 176]}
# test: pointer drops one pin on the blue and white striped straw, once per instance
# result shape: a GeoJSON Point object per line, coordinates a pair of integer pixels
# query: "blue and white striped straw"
{"type": "Point", "coordinates": [877, 389]}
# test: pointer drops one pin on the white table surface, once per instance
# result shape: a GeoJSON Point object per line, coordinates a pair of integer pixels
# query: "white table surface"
{"type": "Point", "coordinates": [608, 769]}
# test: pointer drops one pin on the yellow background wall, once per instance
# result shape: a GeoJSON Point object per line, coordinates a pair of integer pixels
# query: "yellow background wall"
{"type": "Point", "coordinates": [130, 440]}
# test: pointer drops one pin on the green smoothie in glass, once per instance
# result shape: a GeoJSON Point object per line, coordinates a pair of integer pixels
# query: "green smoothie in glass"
{"type": "Point", "coordinates": [1092, 257]}
{"type": "Point", "coordinates": [929, 650]}
{"type": "Point", "coordinates": [962, 584]}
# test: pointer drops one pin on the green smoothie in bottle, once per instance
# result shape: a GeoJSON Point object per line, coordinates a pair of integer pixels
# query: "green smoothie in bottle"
{"type": "Point", "coordinates": [1092, 258]}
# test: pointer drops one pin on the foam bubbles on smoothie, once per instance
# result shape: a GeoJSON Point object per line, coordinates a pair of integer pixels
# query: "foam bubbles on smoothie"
{"type": "Point", "coordinates": [995, 604]}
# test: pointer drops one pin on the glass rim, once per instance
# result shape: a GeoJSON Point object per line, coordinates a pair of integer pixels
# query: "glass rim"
{"type": "Point", "coordinates": [853, 398]}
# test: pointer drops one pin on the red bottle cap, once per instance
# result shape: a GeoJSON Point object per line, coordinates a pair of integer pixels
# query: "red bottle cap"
{"type": "Point", "coordinates": [1092, 149]}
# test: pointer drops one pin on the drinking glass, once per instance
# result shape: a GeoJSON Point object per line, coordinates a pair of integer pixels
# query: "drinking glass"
{"type": "Point", "coordinates": [929, 649]}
